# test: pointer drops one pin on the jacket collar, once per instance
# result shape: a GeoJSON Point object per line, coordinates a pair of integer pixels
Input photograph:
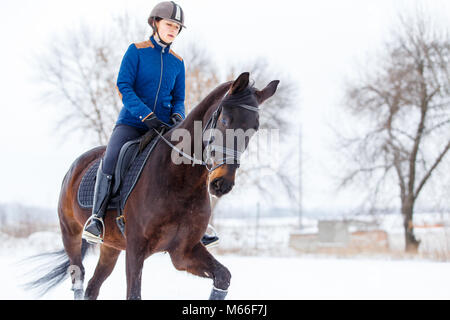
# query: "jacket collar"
{"type": "Point", "coordinates": [158, 46]}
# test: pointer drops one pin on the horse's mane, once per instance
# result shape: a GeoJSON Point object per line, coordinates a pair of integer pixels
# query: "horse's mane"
{"type": "Point", "coordinates": [214, 96]}
{"type": "Point", "coordinates": [208, 104]}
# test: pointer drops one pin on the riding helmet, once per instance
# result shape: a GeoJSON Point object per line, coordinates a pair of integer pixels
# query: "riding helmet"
{"type": "Point", "coordinates": [167, 10]}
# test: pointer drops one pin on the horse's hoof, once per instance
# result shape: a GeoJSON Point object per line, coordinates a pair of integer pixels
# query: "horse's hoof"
{"type": "Point", "coordinates": [78, 294]}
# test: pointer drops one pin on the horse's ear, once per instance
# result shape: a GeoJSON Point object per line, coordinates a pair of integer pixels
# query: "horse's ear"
{"type": "Point", "coordinates": [267, 92]}
{"type": "Point", "coordinates": [240, 83]}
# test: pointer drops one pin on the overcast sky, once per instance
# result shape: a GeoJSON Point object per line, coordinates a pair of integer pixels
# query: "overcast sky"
{"type": "Point", "coordinates": [316, 42]}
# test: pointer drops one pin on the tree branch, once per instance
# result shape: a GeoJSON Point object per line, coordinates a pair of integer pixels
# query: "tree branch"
{"type": "Point", "coordinates": [433, 167]}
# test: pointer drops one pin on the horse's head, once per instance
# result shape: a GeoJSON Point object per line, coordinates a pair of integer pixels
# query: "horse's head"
{"type": "Point", "coordinates": [232, 125]}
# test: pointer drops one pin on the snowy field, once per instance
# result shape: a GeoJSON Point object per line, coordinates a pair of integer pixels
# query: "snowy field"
{"type": "Point", "coordinates": [306, 277]}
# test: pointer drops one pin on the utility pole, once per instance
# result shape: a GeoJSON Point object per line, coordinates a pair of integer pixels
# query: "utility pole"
{"type": "Point", "coordinates": [300, 178]}
{"type": "Point", "coordinates": [258, 209]}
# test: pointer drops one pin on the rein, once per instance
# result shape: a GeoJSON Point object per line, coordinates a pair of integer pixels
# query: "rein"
{"type": "Point", "coordinates": [211, 124]}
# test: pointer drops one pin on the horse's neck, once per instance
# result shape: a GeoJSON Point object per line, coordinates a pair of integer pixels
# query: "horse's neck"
{"type": "Point", "coordinates": [202, 113]}
{"type": "Point", "coordinates": [204, 109]}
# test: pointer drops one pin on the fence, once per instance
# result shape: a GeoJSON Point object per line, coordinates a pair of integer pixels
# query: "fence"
{"type": "Point", "coordinates": [365, 235]}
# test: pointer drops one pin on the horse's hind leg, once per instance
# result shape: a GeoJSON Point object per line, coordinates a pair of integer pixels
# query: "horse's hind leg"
{"type": "Point", "coordinates": [74, 245]}
{"type": "Point", "coordinates": [200, 262]}
{"type": "Point", "coordinates": [105, 265]}
{"type": "Point", "coordinates": [75, 249]}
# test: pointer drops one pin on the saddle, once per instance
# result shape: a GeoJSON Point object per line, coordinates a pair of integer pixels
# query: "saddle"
{"type": "Point", "coordinates": [132, 158]}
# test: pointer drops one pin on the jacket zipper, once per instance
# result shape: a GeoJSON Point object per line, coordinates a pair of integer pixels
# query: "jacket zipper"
{"type": "Point", "coordinates": [160, 79]}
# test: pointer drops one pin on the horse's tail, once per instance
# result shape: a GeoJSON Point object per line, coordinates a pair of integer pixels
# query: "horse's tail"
{"type": "Point", "coordinates": [60, 262]}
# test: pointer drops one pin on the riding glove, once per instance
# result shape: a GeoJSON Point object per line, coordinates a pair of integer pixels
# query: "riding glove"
{"type": "Point", "coordinates": [176, 118]}
{"type": "Point", "coordinates": [152, 122]}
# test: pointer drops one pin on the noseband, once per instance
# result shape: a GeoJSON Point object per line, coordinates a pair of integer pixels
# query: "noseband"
{"type": "Point", "coordinates": [210, 146]}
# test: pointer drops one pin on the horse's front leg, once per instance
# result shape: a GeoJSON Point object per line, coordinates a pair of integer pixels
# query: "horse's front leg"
{"type": "Point", "coordinates": [105, 265]}
{"type": "Point", "coordinates": [200, 262]}
{"type": "Point", "coordinates": [135, 256]}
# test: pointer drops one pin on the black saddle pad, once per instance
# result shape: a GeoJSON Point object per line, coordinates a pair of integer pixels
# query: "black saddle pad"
{"type": "Point", "coordinates": [118, 200]}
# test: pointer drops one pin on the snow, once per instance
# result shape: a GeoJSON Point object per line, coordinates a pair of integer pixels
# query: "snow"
{"type": "Point", "coordinates": [257, 277]}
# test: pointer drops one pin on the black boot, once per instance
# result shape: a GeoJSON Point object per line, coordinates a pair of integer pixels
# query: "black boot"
{"type": "Point", "coordinates": [210, 241]}
{"type": "Point", "coordinates": [93, 232]}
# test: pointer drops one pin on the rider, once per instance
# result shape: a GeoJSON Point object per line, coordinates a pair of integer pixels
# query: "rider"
{"type": "Point", "coordinates": [151, 84]}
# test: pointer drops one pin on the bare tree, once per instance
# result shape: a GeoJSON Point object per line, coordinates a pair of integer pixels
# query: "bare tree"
{"type": "Point", "coordinates": [403, 107]}
{"type": "Point", "coordinates": [79, 72]}
{"type": "Point", "coordinates": [201, 74]}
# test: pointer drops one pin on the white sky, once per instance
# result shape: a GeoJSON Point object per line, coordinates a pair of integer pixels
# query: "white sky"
{"type": "Point", "coordinates": [317, 42]}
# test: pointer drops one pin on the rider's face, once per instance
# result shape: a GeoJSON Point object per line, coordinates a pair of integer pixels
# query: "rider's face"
{"type": "Point", "coordinates": [168, 30]}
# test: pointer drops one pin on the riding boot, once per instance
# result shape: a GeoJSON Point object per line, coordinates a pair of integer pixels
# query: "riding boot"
{"type": "Point", "coordinates": [93, 232]}
{"type": "Point", "coordinates": [210, 241]}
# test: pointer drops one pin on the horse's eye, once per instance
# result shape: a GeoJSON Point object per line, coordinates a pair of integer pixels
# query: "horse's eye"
{"type": "Point", "coordinates": [224, 122]}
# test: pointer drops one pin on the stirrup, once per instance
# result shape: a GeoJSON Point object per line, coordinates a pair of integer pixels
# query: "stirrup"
{"type": "Point", "coordinates": [92, 238]}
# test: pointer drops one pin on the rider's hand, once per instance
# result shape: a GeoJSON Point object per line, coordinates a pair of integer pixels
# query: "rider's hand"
{"type": "Point", "coordinates": [176, 118]}
{"type": "Point", "coordinates": [153, 122]}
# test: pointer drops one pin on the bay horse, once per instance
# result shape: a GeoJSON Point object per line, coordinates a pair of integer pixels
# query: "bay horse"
{"type": "Point", "coordinates": [169, 208]}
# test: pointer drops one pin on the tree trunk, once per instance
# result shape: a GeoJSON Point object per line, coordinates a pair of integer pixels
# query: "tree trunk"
{"type": "Point", "coordinates": [411, 243]}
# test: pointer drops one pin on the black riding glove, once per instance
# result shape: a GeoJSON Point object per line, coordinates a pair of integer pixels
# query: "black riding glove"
{"type": "Point", "coordinates": [176, 118]}
{"type": "Point", "coordinates": [153, 122]}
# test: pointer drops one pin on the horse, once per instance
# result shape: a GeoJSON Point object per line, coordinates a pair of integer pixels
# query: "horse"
{"type": "Point", "coordinates": [169, 207]}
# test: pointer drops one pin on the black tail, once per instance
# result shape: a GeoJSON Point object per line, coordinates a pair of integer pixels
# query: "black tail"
{"type": "Point", "coordinates": [57, 274]}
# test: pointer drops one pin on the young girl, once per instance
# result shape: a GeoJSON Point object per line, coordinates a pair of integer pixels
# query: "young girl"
{"type": "Point", "coordinates": [151, 84]}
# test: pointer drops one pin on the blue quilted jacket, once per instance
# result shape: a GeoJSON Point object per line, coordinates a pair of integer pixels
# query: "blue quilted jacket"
{"type": "Point", "coordinates": [151, 79]}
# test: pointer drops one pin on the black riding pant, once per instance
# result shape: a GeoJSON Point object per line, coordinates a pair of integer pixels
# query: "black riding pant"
{"type": "Point", "coordinates": [121, 134]}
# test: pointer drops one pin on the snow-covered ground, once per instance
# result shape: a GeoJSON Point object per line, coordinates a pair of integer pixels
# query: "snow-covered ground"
{"type": "Point", "coordinates": [304, 277]}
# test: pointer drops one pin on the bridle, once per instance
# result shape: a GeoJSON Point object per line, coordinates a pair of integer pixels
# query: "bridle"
{"type": "Point", "coordinates": [210, 146]}
{"type": "Point", "coordinates": [232, 154]}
